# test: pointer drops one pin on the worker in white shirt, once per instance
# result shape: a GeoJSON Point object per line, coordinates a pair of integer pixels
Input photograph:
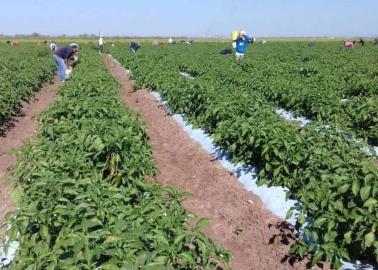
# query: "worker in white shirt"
{"type": "Point", "coordinates": [101, 44]}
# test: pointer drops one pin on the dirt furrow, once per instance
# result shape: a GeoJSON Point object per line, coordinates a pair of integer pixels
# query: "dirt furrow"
{"type": "Point", "coordinates": [239, 220]}
{"type": "Point", "coordinates": [18, 130]}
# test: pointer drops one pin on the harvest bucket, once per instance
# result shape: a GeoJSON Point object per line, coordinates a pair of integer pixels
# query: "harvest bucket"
{"type": "Point", "coordinates": [234, 35]}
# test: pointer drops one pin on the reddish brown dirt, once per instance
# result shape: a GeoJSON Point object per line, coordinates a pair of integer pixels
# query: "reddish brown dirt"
{"type": "Point", "coordinates": [216, 194]}
{"type": "Point", "coordinates": [18, 130]}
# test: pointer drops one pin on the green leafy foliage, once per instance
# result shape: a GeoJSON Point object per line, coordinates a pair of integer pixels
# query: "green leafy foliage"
{"type": "Point", "coordinates": [23, 69]}
{"type": "Point", "coordinates": [325, 170]}
{"type": "Point", "coordinates": [86, 204]}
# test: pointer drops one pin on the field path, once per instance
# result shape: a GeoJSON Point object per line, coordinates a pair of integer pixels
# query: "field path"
{"type": "Point", "coordinates": [19, 129]}
{"type": "Point", "coordinates": [216, 194]}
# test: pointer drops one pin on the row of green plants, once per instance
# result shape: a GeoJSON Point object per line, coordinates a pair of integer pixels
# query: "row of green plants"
{"type": "Point", "coordinates": [326, 83]}
{"type": "Point", "coordinates": [334, 181]}
{"type": "Point", "coordinates": [86, 203]}
{"type": "Point", "coordinates": [22, 71]}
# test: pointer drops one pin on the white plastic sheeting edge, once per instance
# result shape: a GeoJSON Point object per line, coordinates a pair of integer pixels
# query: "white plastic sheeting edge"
{"type": "Point", "coordinates": [291, 117]}
{"type": "Point", "coordinates": [187, 75]}
{"type": "Point", "coordinates": [357, 266]}
{"type": "Point", "coordinates": [369, 150]}
{"type": "Point", "coordinates": [303, 121]}
{"type": "Point", "coordinates": [274, 198]}
{"type": "Point", "coordinates": [281, 112]}
{"type": "Point", "coordinates": [7, 257]}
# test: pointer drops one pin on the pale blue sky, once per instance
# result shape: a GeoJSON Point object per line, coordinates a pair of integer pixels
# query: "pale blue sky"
{"type": "Point", "coordinates": [191, 17]}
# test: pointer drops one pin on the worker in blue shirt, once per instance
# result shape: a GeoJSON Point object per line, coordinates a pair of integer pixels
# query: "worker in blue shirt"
{"type": "Point", "coordinates": [241, 45]}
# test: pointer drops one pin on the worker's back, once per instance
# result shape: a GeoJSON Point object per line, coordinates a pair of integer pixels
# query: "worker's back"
{"type": "Point", "coordinates": [349, 44]}
{"type": "Point", "coordinates": [133, 46]}
{"type": "Point", "coordinates": [226, 52]}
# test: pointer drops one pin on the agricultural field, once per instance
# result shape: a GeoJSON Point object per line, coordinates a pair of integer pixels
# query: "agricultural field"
{"type": "Point", "coordinates": [326, 83]}
{"type": "Point", "coordinates": [85, 202]}
{"type": "Point", "coordinates": [328, 165]}
{"type": "Point", "coordinates": [85, 196]}
{"type": "Point", "coordinates": [23, 70]}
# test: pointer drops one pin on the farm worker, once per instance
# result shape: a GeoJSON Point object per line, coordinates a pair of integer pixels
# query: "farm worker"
{"type": "Point", "coordinates": [241, 44]}
{"type": "Point", "coordinates": [61, 55]}
{"type": "Point", "coordinates": [133, 46]}
{"type": "Point", "coordinates": [101, 43]}
{"type": "Point", "coordinates": [12, 43]}
{"type": "Point", "coordinates": [226, 52]}
{"type": "Point", "coordinates": [349, 44]}
{"type": "Point", "coordinates": [171, 41]}
{"type": "Point", "coordinates": [362, 42]}
{"type": "Point", "coordinates": [376, 42]}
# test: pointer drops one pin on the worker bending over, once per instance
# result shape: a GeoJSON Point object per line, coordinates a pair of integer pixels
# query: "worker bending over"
{"type": "Point", "coordinates": [226, 52]}
{"type": "Point", "coordinates": [241, 45]}
{"type": "Point", "coordinates": [61, 55]}
{"type": "Point", "coordinates": [134, 47]}
{"type": "Point", "coordinates": [12, 43]}
{"type": "Point", "coordinates": [349, 44]}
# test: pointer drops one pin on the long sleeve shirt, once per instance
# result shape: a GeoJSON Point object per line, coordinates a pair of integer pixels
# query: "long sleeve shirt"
{"type": "Point", "coordinates": [65, 52]}
{"type": "Point", "coordinates": [242, 44]}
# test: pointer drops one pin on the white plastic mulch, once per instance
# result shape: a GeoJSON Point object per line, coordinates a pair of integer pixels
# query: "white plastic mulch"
{"type": "Point", "coordinates": [7, 257]}
{"type": "Point", "coordinates": [370, 150]}
{"type": "Point", "coordinates": [186, 75]}
{"type": "Point", "coordinates": [357, 266]}
{"type": "Point", "coordinates": [273, 197]}
{"type": "Point", "coordinates": [289, 116]}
